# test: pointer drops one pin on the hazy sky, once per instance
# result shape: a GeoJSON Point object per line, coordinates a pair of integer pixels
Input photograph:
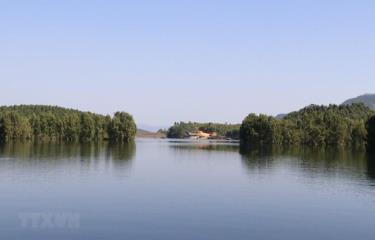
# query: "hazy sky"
{"type": "Point", "coordinates": [200, 60]}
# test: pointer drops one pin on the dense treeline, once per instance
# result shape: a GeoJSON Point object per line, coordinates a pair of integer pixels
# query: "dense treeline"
{"type": "Point", "coordinates": [181, 129]}
{"type": "Point", "coordinates": [50, 123]}
{"type": "Point", "coordinates": [314, 126]}
{"type": "Point", "coordinates": [370, 126]}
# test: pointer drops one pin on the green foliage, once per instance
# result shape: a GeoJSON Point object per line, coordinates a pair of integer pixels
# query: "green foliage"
{"type": "Point", "coordinates": [370, 126]}
{"type": "Point", "coordinates": [227, 130]}
{"type": "Point", "coordinates": [14, 126]}
{"type": "Point", "coordinates": [258, 130]}
{"type": "Point", "coordinates": [314, 126]}
{"type": "Point", "coordinates": [122, 127]}
{"type": "Point", "coordinates": [87, 128]}
{"type": "Point", "coordinates": [181, 129]}
{"type": "Point", "coordinates": [49, 123]}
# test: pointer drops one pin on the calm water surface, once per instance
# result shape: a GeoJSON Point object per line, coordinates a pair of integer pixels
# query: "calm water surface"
{"type": "Point", "coordinates": [160, 189]}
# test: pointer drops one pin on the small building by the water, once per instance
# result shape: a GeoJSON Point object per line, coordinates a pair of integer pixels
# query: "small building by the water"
{"type": "Point", "coordinates": [201, 135]}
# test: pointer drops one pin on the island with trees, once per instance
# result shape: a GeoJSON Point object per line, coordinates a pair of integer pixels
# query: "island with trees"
{"type": "Point", "coordinates": [211, 130]}
{"type": "Point", "coordinates": [333, 125]}
{"type": "Point", "coordinates": [346, 125]}
{"type": "Point", "coordinates": [52, 123]}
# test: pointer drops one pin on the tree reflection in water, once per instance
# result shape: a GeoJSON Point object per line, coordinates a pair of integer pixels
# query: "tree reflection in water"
{"type": "Point", "coordinates": [50, 155]}
{"type": "Point", "coordinates": [314, 162]}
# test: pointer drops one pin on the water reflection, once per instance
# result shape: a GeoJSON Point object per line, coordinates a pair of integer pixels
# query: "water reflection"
{"type": "Point", "coordinates": [204, 145]}
{"type": "Point", "coordinates": [371, 167]}
{"type": "Point", "coordinates": [198, 190]}
{"type": "Point", "coordinates": [312, 162]}
{"type": "Point", "coordinates": [87, 155]}
{"type": "Point", "coordinates": [121, 154]}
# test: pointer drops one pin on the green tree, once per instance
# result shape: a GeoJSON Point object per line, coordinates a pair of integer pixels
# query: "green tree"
{"type": "Point", "coordinates": [257, 130]}
{"type": "Point", "coordinates": [181, 129]}
{"type": "Point", "coordinates": [52, 123]}
{"type": "Point", "coordinates": [358, 133]}
{"type": "Point", "coordinates": [122, 127]}
{"type": "Point", "coordinates": [314, 126]}
{"type": "Point", "coordinates": [370, 126]}
{"type": "Point", "coordinates": [87, 127]}
{"type": "Point", "coordinates": [13, 126]}
{"type": "Point", "coordinates": [72, 126]}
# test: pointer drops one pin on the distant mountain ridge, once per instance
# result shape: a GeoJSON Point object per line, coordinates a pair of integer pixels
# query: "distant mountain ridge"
{"type": "Point", "coordinates": [281, 116]}
{"type": "Point", "coordinates": [367, 99]}
{"type": "Point", "coordinates": [141, 133]}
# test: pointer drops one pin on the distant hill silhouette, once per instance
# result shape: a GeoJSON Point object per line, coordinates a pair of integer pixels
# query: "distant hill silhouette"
{"type": "Point", "coordinates": [367, 99]}
{"type": "Point", "coordinates": [141, 133]}
{"type": "Point", "coordinates": [281, 116]}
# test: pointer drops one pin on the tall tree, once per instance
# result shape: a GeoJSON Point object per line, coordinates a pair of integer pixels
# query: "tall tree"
{"type": "Point", "coordinates": [122, 127]}
{"type": "Point", "coordinates": [370, 125]}
{"type": "Point", "coordinates": [13, 126]}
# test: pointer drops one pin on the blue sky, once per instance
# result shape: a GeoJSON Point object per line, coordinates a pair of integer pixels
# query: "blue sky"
{"type": "Point", "coordinates": [165, 61]}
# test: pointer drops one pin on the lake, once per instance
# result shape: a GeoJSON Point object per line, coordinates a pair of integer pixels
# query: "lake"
{"type": "Point", "coordinates": [164, 189]}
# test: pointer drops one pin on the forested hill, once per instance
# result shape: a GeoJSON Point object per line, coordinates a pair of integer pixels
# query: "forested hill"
{"type": "Point", "coordinates": [354, 111]}
{"type": "Point", "coordinates": [367, 99]}
{"type": "Point", "coordinates": [30, 110]}
{"type": "Point", "coordinates": [314, 125]}
{"type": "Point", "coordinates": [53, 123]}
